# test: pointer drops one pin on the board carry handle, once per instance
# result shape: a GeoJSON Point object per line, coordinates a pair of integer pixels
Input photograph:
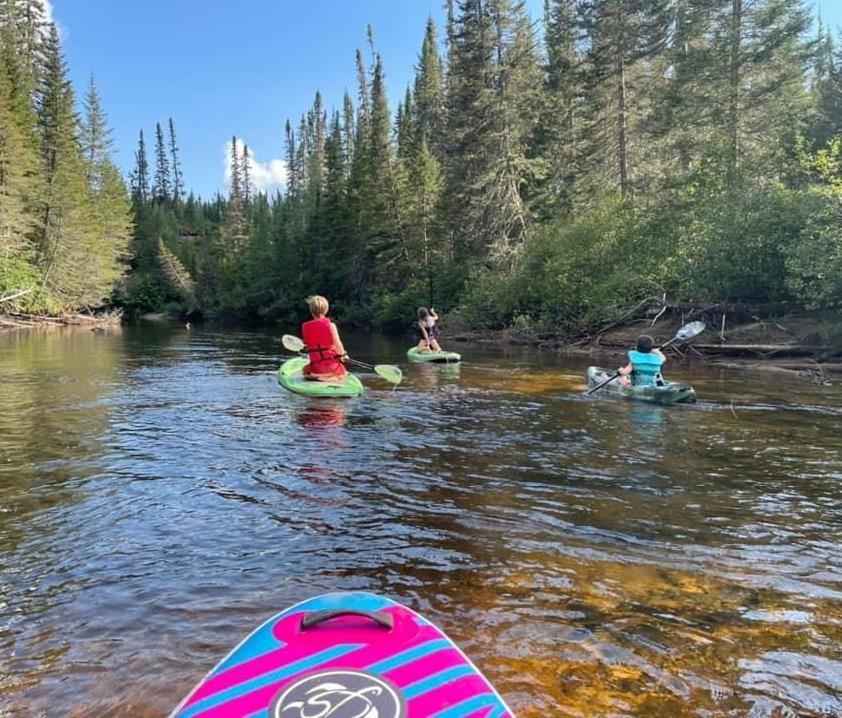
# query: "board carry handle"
{"type": "Point", "coordinates": [383, 620]}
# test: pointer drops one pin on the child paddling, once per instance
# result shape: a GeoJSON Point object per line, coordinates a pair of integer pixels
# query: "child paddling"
{"type": "Point", "coordinates": [327, 353]}
{"type": "Point", "coordinates": [645, 362]}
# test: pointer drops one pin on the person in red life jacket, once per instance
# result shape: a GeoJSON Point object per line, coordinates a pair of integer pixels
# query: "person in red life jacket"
{"type": "Point", "coordinates": [323, 343]}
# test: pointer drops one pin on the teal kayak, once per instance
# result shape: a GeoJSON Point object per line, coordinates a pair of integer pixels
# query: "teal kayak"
{"type": "Point", "coordinates": [290, 377]}
{"type": "Point", "coordinates": [670, 392]}
{"type": "Point", "coordinates": [434, 357]}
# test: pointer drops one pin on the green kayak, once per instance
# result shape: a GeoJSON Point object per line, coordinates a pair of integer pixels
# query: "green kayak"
{"type": "Point", "coordinates": [670, 392]}
{"type": "Point", "coordinates": [434, 357]}
{"type": "Point", "coordinates": [291, 377]}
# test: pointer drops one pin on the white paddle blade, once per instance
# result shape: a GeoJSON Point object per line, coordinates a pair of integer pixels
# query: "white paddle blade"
{"type": "Point", "coordinates": [688, 331]}
{"type": "Point", "coordinates": [389, 372]}
{"type": "Point", "coordinates": [292, 343]}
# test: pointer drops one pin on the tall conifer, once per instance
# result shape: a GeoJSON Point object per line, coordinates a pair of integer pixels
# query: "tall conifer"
{"type": "Point", "coordinates": [177, 174]}
{"type": "Point", "coordinates": [162, 184]}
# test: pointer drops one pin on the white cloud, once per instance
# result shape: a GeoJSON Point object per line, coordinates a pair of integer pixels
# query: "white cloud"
{"type": "Point", "coordinates": [266, 177]}
{"type": "Point", "coordinates": [50, 18]}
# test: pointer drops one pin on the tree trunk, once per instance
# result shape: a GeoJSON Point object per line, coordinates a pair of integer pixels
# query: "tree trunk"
{"type": "Point", "coordinates": [622, 122]}
{"type": "Point", "coordinates": [734, 88]}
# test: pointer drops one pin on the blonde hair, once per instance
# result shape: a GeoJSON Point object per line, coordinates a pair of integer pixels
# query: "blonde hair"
{"type": "Point", "coordinates": [318, 305]}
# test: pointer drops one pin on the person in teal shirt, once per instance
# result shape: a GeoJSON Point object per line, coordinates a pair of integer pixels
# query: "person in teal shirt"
{"type": "Point", "coordinates": [645, 362]}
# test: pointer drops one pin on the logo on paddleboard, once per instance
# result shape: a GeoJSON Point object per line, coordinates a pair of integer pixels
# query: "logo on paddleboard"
{"type": "Point", "coordinates": [339, 694]}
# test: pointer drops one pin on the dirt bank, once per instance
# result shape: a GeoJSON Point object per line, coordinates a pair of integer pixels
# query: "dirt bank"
{"type": "Point", "coordinates": [32, 321]}
{"type": "Point", "coordinates": [800, 343]}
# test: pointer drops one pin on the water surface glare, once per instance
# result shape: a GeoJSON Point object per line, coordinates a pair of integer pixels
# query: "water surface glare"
{"type": "Point", "coordinates": [160, 496]}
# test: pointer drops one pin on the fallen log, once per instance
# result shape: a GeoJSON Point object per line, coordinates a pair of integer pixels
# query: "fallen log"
{"type": "Point", "coordinates": [791, 350]}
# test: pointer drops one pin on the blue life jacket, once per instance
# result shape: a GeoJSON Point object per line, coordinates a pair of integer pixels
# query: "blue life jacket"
{"type": "Point", "coordinates": [646, 366]}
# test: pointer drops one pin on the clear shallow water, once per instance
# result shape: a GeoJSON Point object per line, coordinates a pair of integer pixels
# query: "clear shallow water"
{"type": "Point", "coordinates": [160, 496]}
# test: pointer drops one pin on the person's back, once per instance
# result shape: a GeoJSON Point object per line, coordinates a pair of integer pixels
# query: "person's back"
{"type": "Point", "coordinates": [323, 343]}
{"type": "Point", "coordinates": [645, 363]}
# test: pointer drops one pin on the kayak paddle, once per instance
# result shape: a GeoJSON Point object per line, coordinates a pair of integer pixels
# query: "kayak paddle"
{"type": "Point", "coordinates": [389, 372]}
{"type": "Point", "coordinates": [685, 334]}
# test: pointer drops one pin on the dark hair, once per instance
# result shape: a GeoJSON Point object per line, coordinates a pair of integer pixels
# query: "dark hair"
{"type": "Point", "coordinates": [645, 343]}
{"type": "Point", "coordinates": [423, 312]}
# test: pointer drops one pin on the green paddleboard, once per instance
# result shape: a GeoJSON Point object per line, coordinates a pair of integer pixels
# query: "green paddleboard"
{"type": "Point", "coordinates": [290, 377]}
{"type": "Point", "coordinates": [435, 357]}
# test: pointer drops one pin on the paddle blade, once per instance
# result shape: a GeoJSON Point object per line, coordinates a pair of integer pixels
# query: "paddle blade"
{"type": "Point", "coordinates": [688, 331]}
{"type": "Point", "coordinates": [292, 343]}
{"type": "Point", "coordinates": [389, 372]}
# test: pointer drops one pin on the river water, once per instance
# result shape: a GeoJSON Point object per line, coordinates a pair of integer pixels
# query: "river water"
{"type": "Point", "coordinates": [161, 495]}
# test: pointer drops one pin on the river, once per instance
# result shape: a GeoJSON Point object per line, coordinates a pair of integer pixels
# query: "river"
{"type": "Point", "coordinates": [161, 495]}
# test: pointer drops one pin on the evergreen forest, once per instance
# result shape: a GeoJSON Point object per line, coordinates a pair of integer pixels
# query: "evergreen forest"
{"type": "Point", "coordinates": [548, 174]}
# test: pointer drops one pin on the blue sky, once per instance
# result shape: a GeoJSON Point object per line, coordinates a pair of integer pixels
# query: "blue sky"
{"type": "Point", "coordinates": [223, 68]}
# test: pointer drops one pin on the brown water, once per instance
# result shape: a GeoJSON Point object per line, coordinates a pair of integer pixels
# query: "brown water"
{"type": "Point", "coordinates": [160, 496]}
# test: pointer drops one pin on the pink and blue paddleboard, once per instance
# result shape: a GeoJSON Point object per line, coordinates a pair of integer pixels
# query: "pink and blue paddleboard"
{"type": "Point", "coordinates": [345, 655]}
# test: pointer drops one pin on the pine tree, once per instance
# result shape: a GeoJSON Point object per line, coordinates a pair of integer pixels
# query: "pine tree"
{"type": "Point", "coordinates": [17, 222]}
{"type": "Point", "coordinates": [177, 175]}
{"type": "Point", "coordinates": [246, 176]}
{"type": "Point", "coordinates": [405, 126]}
{"type": "Point", "coordinates": [760, 99]}
{"type": "Point", "coordinates": [347, 132]}
{"type": "Point", "coordinates": [236, 222]}
{"type": "Point", "coordinates": [491, 119]}
{"type": "Point", "coordinates": [20, 181]}
{"type": "Point", "coordinates": [140, 175]}
{"type": "Point", "coordinates": [386, 231]}
{"type": "Point", "coordinates": [334, 225]}
{"type": "Point", "coordinates": [623, 33]}
{"type": "Point", "coordinates": [161, 186]}
{"type": "Point", "coordinates": [95, 136]}
{"type": "Point", "coordinates": [429, 93]}
{"type": "Point", "coordinates": [68, 237]}
{"type": "Point", "coordinates": [558, 138]}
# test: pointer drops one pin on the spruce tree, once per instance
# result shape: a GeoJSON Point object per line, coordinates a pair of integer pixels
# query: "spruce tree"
{"type": "Point", "coordinates": [140, 175]}
{"type": "Point", "coordinates": [246, 176]}
{"type": "Point", "coordinates": [236, 221]}
{"type": "Point", "coordinates": [95, 136]}
{"type": "Point", "coordinates": [386, 231]}
{"type": "Point", "coordinates": [558, 136]}
{"type": "Point", "coordinates": [68, 235]}
{"type": "Point", "coordinates": [177, 174]}
{"type": "Point", "coordinates": [17, 222]}
{"type": "Point", "coordinates": [161, 186]}
{"type": "Point", "coordinates": [429, 93]}
{"type": "Point", "coordinates": [760, 99]}
{"type": "Point", "coordinates": [21, 186]}
{"type": "Point", "coordinates": [491, 119]}
{"type": "Point", "coordinates": [347, 132]}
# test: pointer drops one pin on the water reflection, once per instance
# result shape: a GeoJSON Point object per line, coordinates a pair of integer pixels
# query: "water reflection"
{"type": "Point", "coordinates": [322, 414]}
{"type": "Point", "coordinates": [160, 495]}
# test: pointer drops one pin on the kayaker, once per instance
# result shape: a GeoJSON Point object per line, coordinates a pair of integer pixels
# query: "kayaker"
{"type": "Point", "coordinates": [427, 330]}
{"type": "Point", "coordinates": [326, 350]}
{"type": "Point", "coordinates": [645, 362]}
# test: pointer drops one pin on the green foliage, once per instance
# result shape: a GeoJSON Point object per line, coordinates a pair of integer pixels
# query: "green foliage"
{"type": "Point", "coordinates": [574, 275]}
{"type": "Point", "coordinates": [652, 149]}
{"type": "Point", "coordinates": [814, 262]}
{"type": "Point", "coordinates": [65, 220]}
{"type": "Point", "coordinates": [737, 243]}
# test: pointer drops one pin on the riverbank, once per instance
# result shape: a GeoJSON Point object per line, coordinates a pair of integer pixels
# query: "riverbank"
{"type": "Point", "coordinates": [34, 321]}
{"type": "Point", "coordinates": [802, 344]}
